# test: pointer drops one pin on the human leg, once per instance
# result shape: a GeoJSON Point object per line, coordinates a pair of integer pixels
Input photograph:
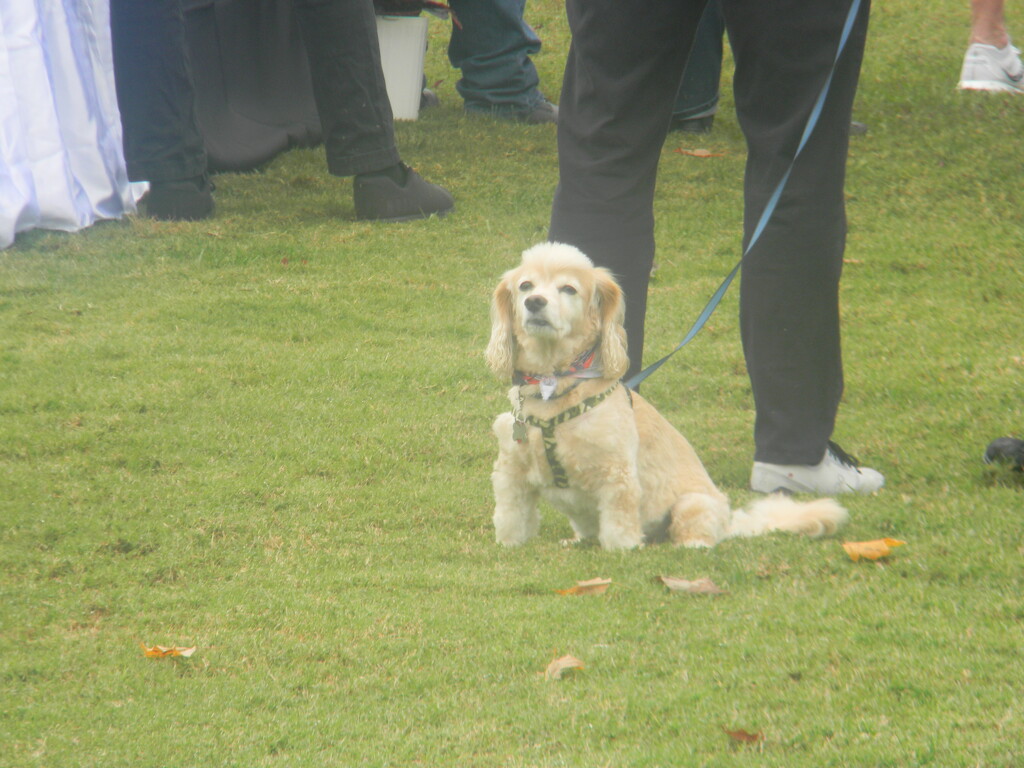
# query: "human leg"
{"type": "Point", "coordinates": [348, 84]}
{"type": "Point", "coordinates": [991, 62]}
{"type": "Point", "coordinates": [156, 98]}
{"type": "Point", "coordinates": [355, 112]}
{"type": "Point", "coordinates": [615, 108]}
{"type": "Point", "coordinates": [789, 296]}
{"type": "Point", "coordinates": [697, 99]}
{"type": "Point", "coordinates": [988, 23]}
{"type": "Point", "coordinates": [491, 46]}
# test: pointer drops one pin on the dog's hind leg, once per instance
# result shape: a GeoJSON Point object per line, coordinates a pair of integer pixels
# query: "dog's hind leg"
{"type": "Point", "coordinates": [699, 520]}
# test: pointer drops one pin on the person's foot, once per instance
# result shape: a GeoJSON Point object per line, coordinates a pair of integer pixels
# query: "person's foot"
{"type": "Point", "coordinates": [1006, 450]}
{"type": "Point", "coordinates": [184, 200]}
{"type": "Point", "coordinates": [428, 99]}
{"type": "Point", "coordinates": [539, 114]}
{"type": "Point", "coordinates": [398, 193]}
{"type": "Point", "coordinates": [987, 68]}
{"type": "Point", "coordinates": [838, 472]}
{"type": "Point", "coordinates": [702, 124]}
{"type": "Point", "coordinates": [543, 112]}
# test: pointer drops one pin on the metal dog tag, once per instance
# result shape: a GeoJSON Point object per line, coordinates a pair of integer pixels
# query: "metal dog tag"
{"type": "Point", "coordinates": [519, 431]}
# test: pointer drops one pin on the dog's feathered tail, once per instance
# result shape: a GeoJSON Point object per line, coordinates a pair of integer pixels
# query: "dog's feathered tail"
{"type": "Point", "coordinates": [778, 512]}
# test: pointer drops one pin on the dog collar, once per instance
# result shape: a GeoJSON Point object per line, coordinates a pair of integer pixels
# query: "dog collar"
{"type": "Point", "coordinates": [581, 368]}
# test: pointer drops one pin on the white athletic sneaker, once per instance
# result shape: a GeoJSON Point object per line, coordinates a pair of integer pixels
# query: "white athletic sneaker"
{"type": "Point", "coordinates": [987, 68]}
{"type": "Point", "coordinates": [838, 472]}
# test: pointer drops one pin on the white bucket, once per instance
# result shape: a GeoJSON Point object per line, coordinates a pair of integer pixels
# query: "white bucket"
{"type": "Point", "coordinates": [403, 46]}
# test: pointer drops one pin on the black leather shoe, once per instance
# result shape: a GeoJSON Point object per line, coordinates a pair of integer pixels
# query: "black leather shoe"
{"type": "Point", "coordinates": [378, 197]}
{"type": "Point", "coordinates": [185, 200]}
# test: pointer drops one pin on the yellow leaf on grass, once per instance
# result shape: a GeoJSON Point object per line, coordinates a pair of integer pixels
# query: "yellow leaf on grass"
{"type": "Point", "coordinates": [704, 586]}
{"type": "Point", "coordinates": [596, 586]}
{"type": "Point", "coordinates": [744, 737]}
{"type": "Point", "coordinates": [560, 666]}
{"type": "Point", "coordinates": [871, 550]}
{"type": "Point", "coordinates": [160, 651]}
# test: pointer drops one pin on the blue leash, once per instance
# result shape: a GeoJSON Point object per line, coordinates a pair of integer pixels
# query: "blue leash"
{"type": "Point", "coordinates": [769, 208]}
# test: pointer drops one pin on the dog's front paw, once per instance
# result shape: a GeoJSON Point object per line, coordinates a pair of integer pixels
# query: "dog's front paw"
{"type": "Point", "coordinates": [513, 529]}
{"type": "Point", "coordinates": [698, 543]}
{"type": "Point", "coordinates": [510, 535]}
{"type": "Point", "coordinates": [578, 542]}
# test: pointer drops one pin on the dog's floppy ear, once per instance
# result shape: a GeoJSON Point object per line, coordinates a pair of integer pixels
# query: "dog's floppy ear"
{"type": "Point", "coordinates": [501, 349]}
{"type": "Point", "coordinates": [612, 306]}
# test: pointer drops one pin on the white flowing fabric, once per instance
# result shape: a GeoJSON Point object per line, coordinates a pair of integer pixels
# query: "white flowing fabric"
{"type": "Point", "coordinates": [61, 159]}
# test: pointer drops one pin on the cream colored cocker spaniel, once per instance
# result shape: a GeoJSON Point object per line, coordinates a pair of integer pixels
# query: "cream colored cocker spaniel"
{"type": "Point", "coordinates": [577, 437]}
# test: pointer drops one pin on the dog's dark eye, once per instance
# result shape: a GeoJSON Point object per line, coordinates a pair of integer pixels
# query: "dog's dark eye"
{"type": "Point", "coordinates": [568, 290]}
{"type": "Point", "coordinates": [526, 286]}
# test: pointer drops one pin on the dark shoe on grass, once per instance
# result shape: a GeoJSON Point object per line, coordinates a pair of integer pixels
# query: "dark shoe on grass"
{"type": "Point", "coordinates": [428, 99]}
{"type": "Point", "coordinates": [542, 112]}
{"type": "Point", "coordinates": [1006, 450]}
{"type": "Point", "coordinates": [539, 114]}
{"type": "Point", "coordinates": [702, 124]}
{"type": "Point", "coordinates": [185, 200]}
{"type": "Point", "coordinates": [382, 197]}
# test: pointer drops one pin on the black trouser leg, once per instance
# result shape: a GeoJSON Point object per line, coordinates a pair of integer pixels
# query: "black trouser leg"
{"type": "Point", "coordinates": [614, 110]}
{"type": "Point", "coordinates": [789, 293]}
{"type": "Point", "coordinates": [155, 93]}
{"type": "Point", "coordinates": [621, 77]}
{"type": "Point", "coordinates": [348, 84]}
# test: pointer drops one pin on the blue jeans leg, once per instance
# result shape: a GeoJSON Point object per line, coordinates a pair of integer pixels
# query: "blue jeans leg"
{"type": "Point", "coordinates": [492, 50]}
{"type": "Point", "coordinates": [698, 93]}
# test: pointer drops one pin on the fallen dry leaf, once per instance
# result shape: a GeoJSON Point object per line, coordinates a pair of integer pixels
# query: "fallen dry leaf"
{"type": "Point", "coordinates": [699, 153]}
{"type": "Point", "coordinates": [160, 651]}
{"type": "Point", "coordinates": [871, 550]}
{"type": "Point", "coordinates": [596, 586]}
{"type": "Point", "coordinates": [561, 665]}
{"type": "Point", "coordinates": [704, 586]}
{"type": "Point", "coordinates": [744, 736]}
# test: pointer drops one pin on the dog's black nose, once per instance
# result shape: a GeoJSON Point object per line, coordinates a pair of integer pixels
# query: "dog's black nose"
{"type": "Point", "coordinates": [535, 303]}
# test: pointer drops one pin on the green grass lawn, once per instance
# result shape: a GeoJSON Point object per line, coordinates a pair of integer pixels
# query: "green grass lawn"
{"type": "Point", "coordinates": [267, 435]}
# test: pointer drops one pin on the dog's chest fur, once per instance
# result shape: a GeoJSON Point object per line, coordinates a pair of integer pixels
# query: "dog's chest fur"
{"type": "Point", "coordinates": [580, 443]}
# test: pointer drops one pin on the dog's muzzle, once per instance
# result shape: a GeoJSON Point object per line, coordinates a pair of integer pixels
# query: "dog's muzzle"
{"type": "Point", "coordinates": [535, 306]}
